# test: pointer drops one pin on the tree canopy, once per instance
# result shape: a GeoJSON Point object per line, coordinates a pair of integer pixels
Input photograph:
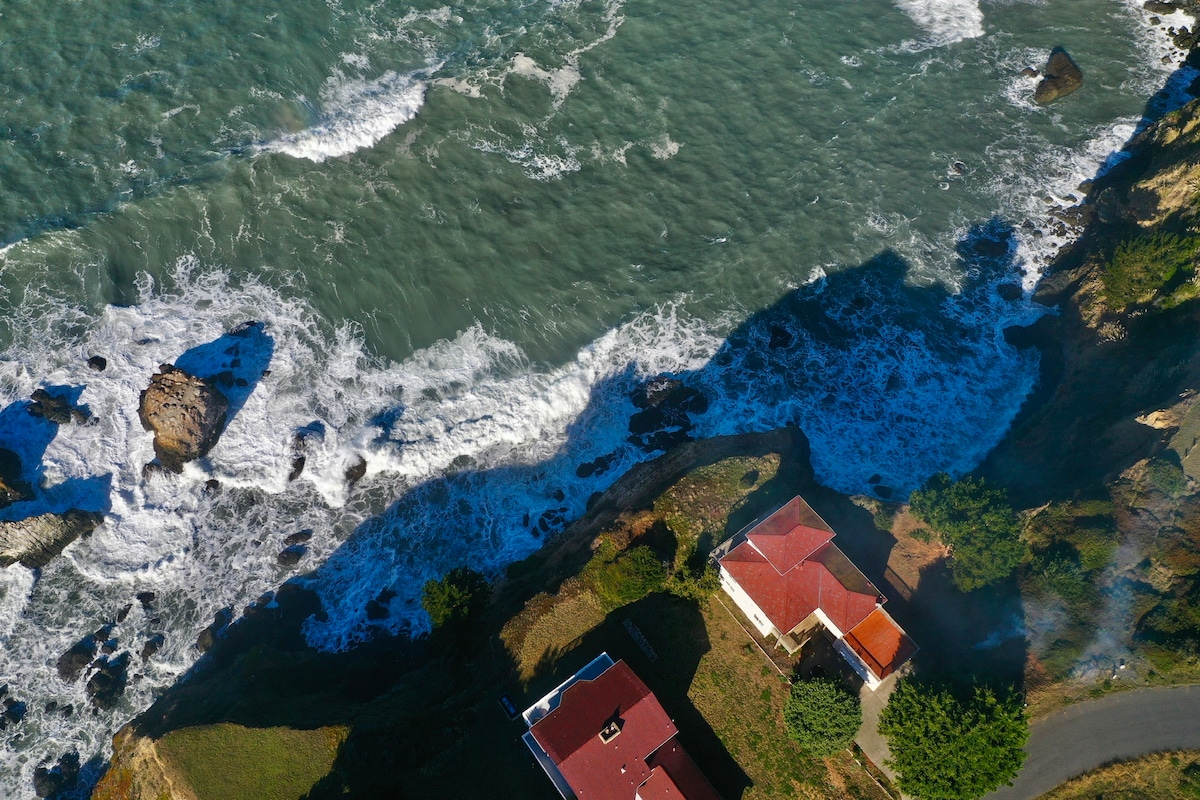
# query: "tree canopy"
{"type": "Point", "coordinates": [947, 749]}
{"type": "Point", "coordinates": [978, 524]}
{"type": "Point", "coordinates": [822, 716]}
{"type": "Point", "coordinates": [456, 597]}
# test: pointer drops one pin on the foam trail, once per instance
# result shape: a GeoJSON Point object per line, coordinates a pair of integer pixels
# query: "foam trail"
{"type": "Point", "coordinates": [945, 21]}
{"type": "Point", "coordinates": [356, 114]}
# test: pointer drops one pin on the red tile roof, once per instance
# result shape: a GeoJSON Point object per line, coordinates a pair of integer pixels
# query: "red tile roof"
{"type": "Point", "coordinates": [595, 768]}
{"type": "Point", "coordinates": [789, 599]}
{"type": "Point", "coordinates": [790, 535]}
{"type": "Point", "coordinates": [673, 763]}
{"type": "Point", "coordinates": [881, 643]}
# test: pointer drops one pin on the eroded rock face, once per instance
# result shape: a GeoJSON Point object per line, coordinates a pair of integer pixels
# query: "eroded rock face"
{"type": "Point", "coordinates": [12, 488]}
{"type": "Point", "coordinates": [1063, 76]}
{"type": "Point", "coordinates": [37, 540]}
{"type": "Point", "coordinates": [186, 414]}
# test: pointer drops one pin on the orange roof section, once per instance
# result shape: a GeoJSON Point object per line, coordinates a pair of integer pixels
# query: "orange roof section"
{"type": "Point", "coordinates": [881, 643]}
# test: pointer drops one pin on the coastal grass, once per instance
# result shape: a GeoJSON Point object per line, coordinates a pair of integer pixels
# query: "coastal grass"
{"type": "Point", "coordinates": [1153, 777]}
{"type": "Point", "coordinates": [232, 762]}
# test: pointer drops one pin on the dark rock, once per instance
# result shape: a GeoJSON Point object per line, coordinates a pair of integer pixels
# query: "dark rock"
{"type": "Point", "coordinates": [297, 467]}
{"type": "Point", "coordinates": [876, 478]}
{"type": "Point", "coordinates": [109, 647]}
{"type": "Point", "coordinates": [1159, 7]}
{"type": "Point", "coordinates": [124, 612]}
{"type": "Point", "coordinates": [654, 391]}
{"type": "Point", "coordinates": [98, 363]}
{"type": "Point", "coordinates": [154, 470]}
{"type": "Point", "coordinates": [593, 499]}
{"type": "Point", "coordinates": [107, 684]}
{"type": "Point", "coordinates": [1063, 76]}
{"type": "Point", "coordinates": [152, 646]}
{"type": "Point", "coordinates": [186, 413]}
{"type": "Point", "coordinates": [14, 711]}
{"type": "Point", "coordinates": [291, 556]}
{"type": "Point", "coordinates": [146, 598]}
{"type": "Point", "coordinates": [36, 540]}
{"type": "Point", "coordinates": [884, 491]}
{"type": "Point", "coordinates": [301, 440]}
{"type": "Point", "coordinates": [990, 248]}
{"type": "Point", "coordinates": [1010, 291]}
{"type": "Point", "coordinates": [781, 337]}
{"type": "Point", "coordinates": [958, 168]}
{"type": "Point", "coordinates": [56, 408]}
{"type": "Point", "coordinates": [209, 635]}
{"type": "Point", "coordinates": [62, 777]}
{"type": "Point", "coordinates": [299, 537]}
{"type": "Point", "coordinates": [1030, 72]}
{"type": "Point", "coordinates": [664, 420]}
{"type": "Point", "coordinates": [597, 467]}
{"type": "Point", "coordinates": [244, 329]}
{"type": "Point", "coordinates": [356, 471]}
{"type": "Point", "coordinates": [75, 660]}
{"type": "Point", "coordinates": [12, 488]}
{"type": "Point", "coordinates": [212, 485]}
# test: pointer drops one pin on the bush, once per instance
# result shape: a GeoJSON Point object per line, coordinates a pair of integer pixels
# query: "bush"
{"type": "Point", "coordinates": [822, 716]}
{"type": "Point", "coordinates": [884, 519]}
{"type": "Point", "coordinates": [621, 578]}
{"type": "Point", "coordinates": [947, 749]}
{"type": "Point", "coordinates": [456, 597]}
{"type": "Point", "coordinates": [977, 523]}
{"type": "Point", "coordinates": [1166, 476]}
{"type": "Point", "coordinates": [1140, 267]}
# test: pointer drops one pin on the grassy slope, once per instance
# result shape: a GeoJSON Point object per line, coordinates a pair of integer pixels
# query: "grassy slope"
{"type": "Point", "coordinates": [231, 762]}
{"type": "Point", "coordinates": [1156, 777]}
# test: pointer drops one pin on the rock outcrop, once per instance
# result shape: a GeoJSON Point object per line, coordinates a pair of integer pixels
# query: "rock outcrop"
{"type": "Point", "coordinates": [37, 540]}
{"type": "Point", "coordinates": [1062, 76]}
{"type": "Point", "coordinates": [185, 413]}
{"type": "Point", "coordinates": [57, 408]}
{"type": "Point", "coordinates": [12, 488]}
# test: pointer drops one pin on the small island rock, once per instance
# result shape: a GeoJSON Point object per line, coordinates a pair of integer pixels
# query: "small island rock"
{"type": "Point", "coordinates": [186, 414]}
{"type": "Point", "coordinates": [1063, 76]}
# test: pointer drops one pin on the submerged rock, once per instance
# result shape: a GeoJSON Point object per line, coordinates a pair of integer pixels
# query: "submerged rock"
{"type": "Point", "coordinates": [185, 413]}
{"type": "Point", "coordinates": [57, 408]}
{"type": "Point", "coordinates": [12, 488]}
{"type": "Point", "coordinates": [208, 636]}
{"type": "Point", "coordinates": [37, 540]}
{"type": "Point", "coordinates": [72, 663]}
{"type": "Point", "coordinates": [356, 471]}
{"type": "Point", "coordinates": [1063, 76]}
{"type": "Point", "coordinates": [98, 363]}
{"type": "Point", "coordinates": [61, 777]}
{"type": "Point", "coordinates": [664, 419]}
{"type": "Point", "coordinates": [107, 684]}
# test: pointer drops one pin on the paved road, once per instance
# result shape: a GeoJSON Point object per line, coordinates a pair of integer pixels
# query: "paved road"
{"type": "Point", "coordinates": [1084, 736]}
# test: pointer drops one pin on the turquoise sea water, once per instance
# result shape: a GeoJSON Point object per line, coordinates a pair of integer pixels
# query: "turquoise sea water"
{"type": "Point", "coordinates": [470, 229]}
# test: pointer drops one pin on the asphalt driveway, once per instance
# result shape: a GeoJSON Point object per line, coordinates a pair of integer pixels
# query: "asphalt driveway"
{"type": "Point", "coordinates": [1084, 736]}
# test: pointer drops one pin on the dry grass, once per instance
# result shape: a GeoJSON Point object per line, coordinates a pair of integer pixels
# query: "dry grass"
{"type": "Point", "coordinates": [910, 556]}
{"type": "Point", "coordinates": [549, 627]}
{"type": "Point", "coordinates": [1156, 777]}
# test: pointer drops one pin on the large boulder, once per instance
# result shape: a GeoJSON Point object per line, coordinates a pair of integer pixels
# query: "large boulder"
{"type": "Point", "coordinates": [12, 488]}
{"type": "Point", "coordinates": [37, 540]}
{"type": "Point", "coordinates": [1063, 76]}
{"type": "Point", "coordinates": [186, 414]}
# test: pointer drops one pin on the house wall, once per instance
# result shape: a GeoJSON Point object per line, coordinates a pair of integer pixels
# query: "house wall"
{"type": "Point", "coordinates": [857, 664]}
{"type": "Point", "coordinates": [748, 606]}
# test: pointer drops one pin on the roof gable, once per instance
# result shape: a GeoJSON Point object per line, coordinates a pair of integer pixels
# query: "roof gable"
{"type": "Point", "coordinates": [790, 534]}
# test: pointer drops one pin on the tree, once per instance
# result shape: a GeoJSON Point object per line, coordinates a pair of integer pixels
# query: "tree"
{"type": "Point", "coordinates": [822, 716]}
{"type": "Point", "coordinates": [459, 595]}
{"type": "Point", "coordinates": [947, 749]}
{"type": "Point", "coordinates": [978, 524]}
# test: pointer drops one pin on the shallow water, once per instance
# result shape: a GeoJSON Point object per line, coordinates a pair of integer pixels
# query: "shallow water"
{"type": "Point", "coordinates": [470, 230]}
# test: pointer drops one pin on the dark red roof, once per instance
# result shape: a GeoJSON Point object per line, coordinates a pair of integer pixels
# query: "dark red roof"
{"type": "Point", "coordinates": [595, 768]}
{"type": "Point", "coordinates": [790, 535]}
{"type": "Point", "coordinates": [674, 770]}
{"type": "Point", "coordinates": [881, 643]}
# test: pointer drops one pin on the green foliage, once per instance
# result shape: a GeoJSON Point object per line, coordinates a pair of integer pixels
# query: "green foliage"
{"type": "Point", "coordinates": [822, 716]}
{"type": "Point", "coordinates": [452, 600]}
{"type": "Point", "coordinates": [227, 760]}
{"type": "Point", "coordinates": [1189, 780]}
{"type": "Point", "coordinates": [620, 578]}
{"type": "Point", "coordinates": [923, 535]}
{"type": "Point", "coordinates": [884, 519]}
{"type": "Point", "coordinates": [947, 749]}
{"type": "Point", "coordinates": [978, 524]}
{"type": "Point", "coordinates": [1166, 476]}
{"type": "Point", "coordinates": [1063, 576]}
{"type": "Point", "coordinates": [1141, 266]}
{"type": "Point", "coordinates": [694, 585]}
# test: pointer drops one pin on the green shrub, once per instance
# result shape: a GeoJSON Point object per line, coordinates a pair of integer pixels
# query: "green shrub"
{"type": "Point", "coordinates": [456, 597]}
{"type": "Point", "coordinates": [978, 524]}
{"type": "Point", "coordinates": [1064, 577]}
{"type": "Point", "coordinates": [947, 749]}
{"type": "Point", "coordinates": [1166, 476]}
{"type": "Point", "coordinates": [621, 578]}
{"type": "Point", "coordinates": [1189, 780]}
{"type": "Point", "coordinates": [822, 716]}
{"type": "Point", "coordinates": [884, 519]}
{"type": "Point", "coordinates": [923, 535]}
{"type": "Point", "coordinates": [1141, 266]}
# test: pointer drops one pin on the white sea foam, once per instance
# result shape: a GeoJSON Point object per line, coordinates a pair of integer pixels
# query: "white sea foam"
{"type": "Point", "coordinates": [945, 21]}
{"type": "Point", "coordinates": [355, 114]}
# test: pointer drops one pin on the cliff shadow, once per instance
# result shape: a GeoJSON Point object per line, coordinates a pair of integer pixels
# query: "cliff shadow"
{"type": "Point", "coordinates": [235, 361]}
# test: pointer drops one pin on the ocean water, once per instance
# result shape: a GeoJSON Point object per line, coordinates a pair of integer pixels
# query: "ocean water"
{"type": "Point", "coordinates": [470, 230]}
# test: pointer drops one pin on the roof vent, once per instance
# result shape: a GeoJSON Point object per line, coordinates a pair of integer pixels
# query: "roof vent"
{"type": "Point", "coordinates": [610, 731]}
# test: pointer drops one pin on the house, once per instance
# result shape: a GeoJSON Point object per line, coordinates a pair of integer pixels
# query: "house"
{"type": "Point", "coordinates": [790, 580]}
{"type": "Point", "coordinates": [603, 734]}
